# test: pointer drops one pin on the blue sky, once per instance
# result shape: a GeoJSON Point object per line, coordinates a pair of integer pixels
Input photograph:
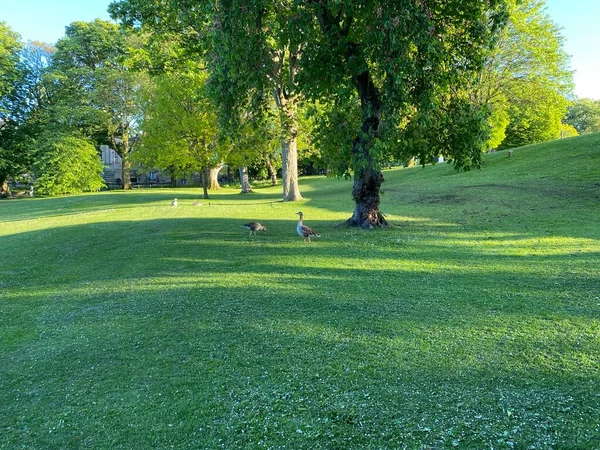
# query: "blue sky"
{"type": "Point", "coordinates": [45, 20]}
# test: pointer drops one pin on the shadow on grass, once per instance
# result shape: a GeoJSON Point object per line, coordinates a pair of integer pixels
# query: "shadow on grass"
{"type": "Point", "coordinates": [211, 338]}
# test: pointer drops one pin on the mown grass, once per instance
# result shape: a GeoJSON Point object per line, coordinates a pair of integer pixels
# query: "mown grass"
{"type": "Point", "coordinates": [473, 321]}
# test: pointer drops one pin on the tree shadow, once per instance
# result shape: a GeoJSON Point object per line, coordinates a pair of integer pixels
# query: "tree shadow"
{"type": "Point", "coordinates": [195, 324]}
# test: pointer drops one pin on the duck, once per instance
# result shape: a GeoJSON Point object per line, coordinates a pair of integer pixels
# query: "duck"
{"type": "Point", "coordinates": [254, 227]}
{"type": "Point", "coordinates": [174, 203]}
{"type": "Point", "coordinates": [303, 230]}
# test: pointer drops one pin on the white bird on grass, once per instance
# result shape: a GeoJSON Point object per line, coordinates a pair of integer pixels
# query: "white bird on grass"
{"type": "Point", "coordinates": [303, 230]}
{"type": "Point", "coordinates": [174, 203]}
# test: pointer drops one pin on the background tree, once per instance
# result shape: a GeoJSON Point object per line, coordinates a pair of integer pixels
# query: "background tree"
{"type": "Point", "coordinates": [118, 96]}
{"type": "Point", "coordinates": [93, 64]}
{"type": "Point", "coordinates": [25, 108]}
{"type": "Point", "coordinates": [526, 79]}
{"type": "Point", "coordinates": [180, 126]}
{"type": "Point", "coordinates": [584, 115]}
{"type": "Point", "coordinates": [66, 164]}
{"type": "Point", "coordinates": [250, 55]}
{"type": "Point", "coordinates": [12, 158]}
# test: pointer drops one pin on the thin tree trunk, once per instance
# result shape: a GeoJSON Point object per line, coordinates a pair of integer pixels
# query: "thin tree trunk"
{"type": "Point", "coordinates": [214, 178]}
{"type": "Point", "coordinates": [272, 171]}
{"type": "Point", "coordinates": [244, 180]}
{"type": "Point", "coordinates": [173, 178]}
{"type": "Point", "coordinates": [205, 176]}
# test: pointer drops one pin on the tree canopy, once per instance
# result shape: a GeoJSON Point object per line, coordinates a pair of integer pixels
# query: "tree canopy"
{"type": "Point", "coordinates": [526, 79]}
{"type": "Point", "coordinates": [393, 63]}
{"type": "Point", "coordinates": [180, 126]}
{"type": "Point", "coordinates": [584, 115]}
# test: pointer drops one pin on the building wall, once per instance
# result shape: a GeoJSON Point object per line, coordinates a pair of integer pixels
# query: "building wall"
{"type": "Point", "coordinates": [113, 172]}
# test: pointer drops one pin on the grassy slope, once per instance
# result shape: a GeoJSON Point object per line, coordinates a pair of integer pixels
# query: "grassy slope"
{"type": "Point", "coordinates": [472, 322]}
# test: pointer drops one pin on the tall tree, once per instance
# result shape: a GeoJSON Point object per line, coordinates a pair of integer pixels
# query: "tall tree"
{"type": "Point", "coordinates": [94, 61]}
{"type": "Point", "coordinates": [180, 126]}
{"type": "Point", "coordinates": [526, 78]}
{"type": "Point", "coordinates": [397, 60]}
{"type": "Point", "coordinates": [12, 159]}
{"type": "Point", "coordinates": [250, 54]}
{"type": "Point", "coordinates": [118, 95]}
{"type": "Point", "coordinates": [584, 115]}
{"type": "Point", "coordinates": [253, 56]}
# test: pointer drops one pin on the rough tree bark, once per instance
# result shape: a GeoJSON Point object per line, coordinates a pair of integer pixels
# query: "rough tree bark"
{"type": "Point", "coordinates": [367, 179]}
{"type": "Point", "coordinates": [286, 101]}
{"type": "Point", "coordinates": [244, 180]}
{"type": "Point", "coordinates": [272, 171]}
{"type": "Point", "coordinates": [214, 177]}
{"type": "Point", "coordinates": [205, 177]}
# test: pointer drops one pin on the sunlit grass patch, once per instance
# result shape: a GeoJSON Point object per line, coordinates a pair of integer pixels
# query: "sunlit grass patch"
{"type": "Point", "coordinates": [473, 321]}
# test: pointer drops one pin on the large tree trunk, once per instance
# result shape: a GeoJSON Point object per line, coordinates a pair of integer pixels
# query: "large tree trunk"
{"type": "Point", "coordinates": [126, 171]}
{"type": "Point", "coordinates": [286, 102]}
{"type": "Point", "coordinates": [214, 177]}
{"type": "Point", "coordinates": [272, 171]}
{"type": "Point", "coordinates": [367, 179]}
{"type": "Point", "coordinates": [291, 192]}
{"type": "Point", "coordinates": [244, 180]}
{"type": "Point", "coordinates": [367, 185]}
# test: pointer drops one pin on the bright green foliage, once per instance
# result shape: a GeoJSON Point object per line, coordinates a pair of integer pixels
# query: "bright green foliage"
{"type": "Point", "coordinates": [180, 125]}
{"type": "Point", "coordinates": [66, 165]}
{"type": "Point", "coordinates": [498, 121]}
{"type": "Point", "coordinates": [10, 46]}
{"type": "Point", "coordinates": [526, 80]}
{"type": "Point", "coordinates": [567, 130]}
{"type": "Point", "coordinates": [584, 115]}
{"type": "Point", "coordinates": [11, 158]}
{"type": "Point", "coordinates": [535, 114]}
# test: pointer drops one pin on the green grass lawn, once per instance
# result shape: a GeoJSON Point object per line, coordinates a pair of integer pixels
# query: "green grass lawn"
{"type": "Point", "coordinates": [473, 321]}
